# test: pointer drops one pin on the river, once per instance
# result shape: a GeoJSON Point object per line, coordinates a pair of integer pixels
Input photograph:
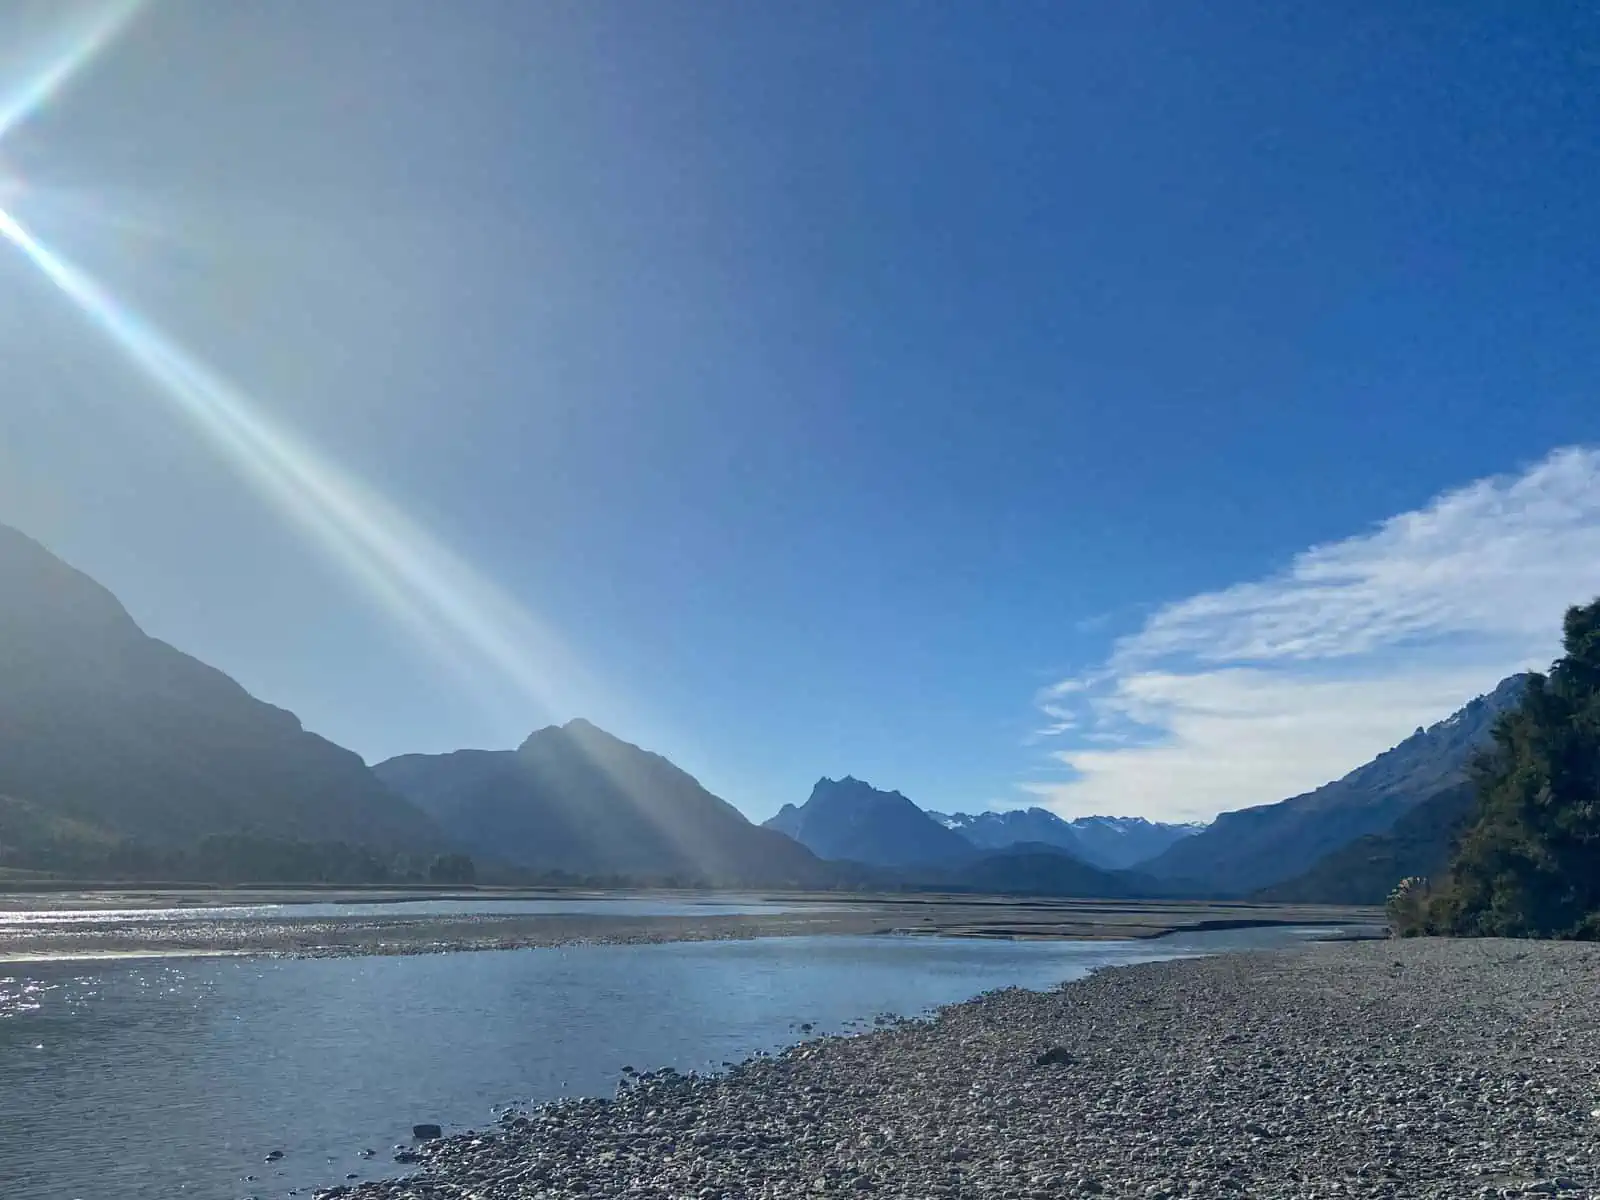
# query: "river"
{"type": "Point", "coordinates": [149, 1078]}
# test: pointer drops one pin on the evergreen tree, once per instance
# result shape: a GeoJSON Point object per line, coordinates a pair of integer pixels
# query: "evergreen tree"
{"type": "Point", "coordinates": [1529, 863]}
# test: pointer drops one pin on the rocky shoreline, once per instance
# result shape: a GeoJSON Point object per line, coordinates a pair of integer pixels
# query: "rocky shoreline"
{"type": "Point", "coordinates": [1384, 1069]}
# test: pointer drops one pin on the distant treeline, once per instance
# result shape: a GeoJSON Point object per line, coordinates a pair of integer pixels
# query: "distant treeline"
{"type": "Point", "coordinates": [237, 858]}
{"type": "Point", "coordinates": [1527, 863]}
{"type": "Point", "coordinates": [260, 859]}
{"type": "Point", "coordinates": [243, 858]}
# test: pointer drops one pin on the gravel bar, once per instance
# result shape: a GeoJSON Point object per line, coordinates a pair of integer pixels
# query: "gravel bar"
{"type": "Point", "coordinates": [1400, 1069]}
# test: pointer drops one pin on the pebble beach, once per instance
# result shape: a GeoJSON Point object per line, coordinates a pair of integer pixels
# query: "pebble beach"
{"type": "Point", "coordinates": [1424, 1068]}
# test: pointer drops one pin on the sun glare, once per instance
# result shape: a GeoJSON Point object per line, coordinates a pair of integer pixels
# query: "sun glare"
{"type": "Point", "coordinates": [444, 603]}
{"type": "Point", "coordinates": [494, 645]}
{"type": "Point", "coordinates": [82, 43]}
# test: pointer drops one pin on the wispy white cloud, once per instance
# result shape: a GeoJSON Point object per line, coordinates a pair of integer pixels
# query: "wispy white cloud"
{"type": "Point", "coordinates": [1271, 687]}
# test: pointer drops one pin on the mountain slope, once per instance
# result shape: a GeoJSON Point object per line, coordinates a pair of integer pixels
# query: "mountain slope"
{"type": "Point", "coordinates": [1038, 869]}
{"type": "Point", "coordinates": [1254, 847]}
{"type": "Point", "coordinates": [439, 784]}
{"type": "Point", "coordinates": [846, 819]}
{"type": "Point", "coordinates": [1120, 842]}
{"type": "Point", "coordinates": [1365, 871]}
{"type": "Point", "coordinates": [574, 798]}
{"type": "Point", "coordinates": [104, 727]}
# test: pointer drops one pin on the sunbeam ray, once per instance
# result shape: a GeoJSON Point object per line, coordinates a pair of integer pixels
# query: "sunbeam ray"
{"type": "Point", "coordinates": [463, 619]}
{"type": "Point", "coordinates": [436, 594]}
{"type": "Point", "coordinates": [86, 42]}
{"type": "Point", "coordinates": [449, 608]}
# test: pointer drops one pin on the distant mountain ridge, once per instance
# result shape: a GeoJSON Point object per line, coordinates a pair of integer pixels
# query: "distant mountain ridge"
{"type": "Point", "coordinates": [1367, 870]}
{"type": "Point", "coordinates": [1130, 841]}
{"type": "Point", "coordinates": [577, 799]}
{"type": "Point", "coordinates": [850, 820]}
{"type": "Point", "coordinates": [1111, 842]}
{"type": "Point", "coordinates": [997, 830]}
{"type": "Point", "coordinates": [1254, 848]}
{"type": "Point", "coordinates": [109, 734]}
{"type": "Point", "coordinates": [111, 739]}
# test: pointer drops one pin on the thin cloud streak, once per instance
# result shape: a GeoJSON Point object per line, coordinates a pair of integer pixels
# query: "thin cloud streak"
{"type": "Point", "coordinates": [1272, 687]}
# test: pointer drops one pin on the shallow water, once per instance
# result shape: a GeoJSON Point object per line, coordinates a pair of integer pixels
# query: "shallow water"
{"type": "Point", "coordinates": [76, 919]}
{"type": "Point", "coordinates": [152, 1079]}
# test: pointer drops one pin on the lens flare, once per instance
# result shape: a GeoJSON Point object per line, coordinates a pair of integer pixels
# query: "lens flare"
{"type": "Point", "coordinates": [442, 601]}
{"type": "Point", "coordinates": [84, 43]}
{"type": "Point", "coordinates": [449, 608]}
{"type": "Point", "coordinates": [439, 597]}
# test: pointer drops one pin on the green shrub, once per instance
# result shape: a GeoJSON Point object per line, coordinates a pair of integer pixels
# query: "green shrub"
{"type": "Point", "coordinates": [1408, 907]}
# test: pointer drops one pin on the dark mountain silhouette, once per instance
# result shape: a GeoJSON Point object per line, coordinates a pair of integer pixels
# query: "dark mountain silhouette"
{"type": "Point", "coordinates": [1037, 869]}
{"type": "Point", "coordinates": [846, 819]}
{"type": "Point", "coordinates": [1253, 848]}
{"type": "Point", "coordinates": [109, 734]}
{"type": "Point", "coordinates": [1366, 871]}
{"type": "Point", "coordinates": [1111, 842]}
{"type": "Point", "coordinates": [574, 798]}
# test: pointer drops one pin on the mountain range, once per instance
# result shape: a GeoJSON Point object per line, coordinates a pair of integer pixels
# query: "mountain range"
{"type": "Point", "coordinates": [576, 799]}
{"type": "Point", "coordinates": [1347, 842]}
{"type": "Point", "coordinates": [111, 738]}
{"type": "Point", "coordinates": [1115, 843]}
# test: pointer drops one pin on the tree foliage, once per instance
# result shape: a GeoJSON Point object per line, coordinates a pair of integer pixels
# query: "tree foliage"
{"type": "Point", "coordinates": [1528, 864]}
{"type": "Point", "coordinates": [452, 868]}
{"type": "Point", "coordinates": [1407, 907]}
{"type": "Point", "coordinates": [64, 850]}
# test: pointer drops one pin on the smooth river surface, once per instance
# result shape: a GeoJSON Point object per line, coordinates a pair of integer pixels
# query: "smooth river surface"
{"type": "Point", "coordinates": [152, 1079]}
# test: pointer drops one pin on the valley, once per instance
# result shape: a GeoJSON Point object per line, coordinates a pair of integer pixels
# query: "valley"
{"type": "Point", "coordinates": [125, 761]}
{"type": "Point", "coordinates": [911, 601]}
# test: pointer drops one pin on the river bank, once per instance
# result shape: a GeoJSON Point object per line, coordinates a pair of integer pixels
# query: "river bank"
{"type": "Point", "coordinates": [317, 925]}
{"type": "Point", "coordinates": [1412, 1069]}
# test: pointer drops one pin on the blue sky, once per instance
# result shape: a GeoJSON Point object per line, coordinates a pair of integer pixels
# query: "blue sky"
{"type": "Point", "coordinates": [952, 395]}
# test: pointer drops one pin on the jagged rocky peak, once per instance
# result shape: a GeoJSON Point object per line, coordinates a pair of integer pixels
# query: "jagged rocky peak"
{"type": "Point", "coordinates": [849, 819]}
